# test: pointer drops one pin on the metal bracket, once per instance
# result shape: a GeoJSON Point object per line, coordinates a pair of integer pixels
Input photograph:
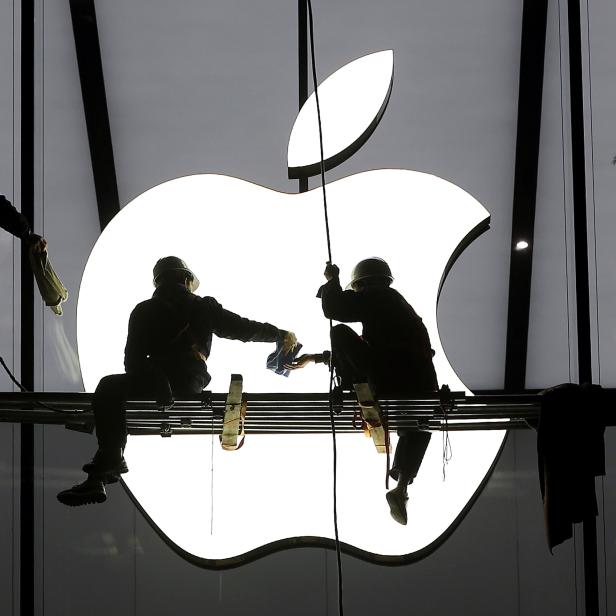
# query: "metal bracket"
{"type": "Point", "coordinates": [206, 400]}
{"type": "Point", "coordinates": [448, 403]}
{"type": "Point", "coordinates": [373, 416]}
{"type": "Point", "coordinates": [235, 412]}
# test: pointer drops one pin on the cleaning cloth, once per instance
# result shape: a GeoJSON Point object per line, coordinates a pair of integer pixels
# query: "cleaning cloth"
{"type": "Point", "coordinates": [276, 361]}
{"type": "Point", "coordinates": [50, 286]}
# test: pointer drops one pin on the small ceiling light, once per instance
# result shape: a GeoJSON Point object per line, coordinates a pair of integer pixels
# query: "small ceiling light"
{"type": "Point", "coordinates": [521, 245]}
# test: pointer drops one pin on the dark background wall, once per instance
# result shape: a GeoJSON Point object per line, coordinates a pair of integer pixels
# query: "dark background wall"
{"type": "Point", "coordinates": [196, 87]}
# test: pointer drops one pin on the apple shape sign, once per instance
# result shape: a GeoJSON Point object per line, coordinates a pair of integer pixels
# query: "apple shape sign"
{"type": "Point", "coordinates": [217, 507]}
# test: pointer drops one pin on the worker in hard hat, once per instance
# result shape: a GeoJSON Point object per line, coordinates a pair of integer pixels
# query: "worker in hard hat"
{"type": "Point", "coordinates": [393, 354]}
{"type": "Point", "coordinates": [16, 223]}
{"type": "Point", "coordinates": [169, 341]}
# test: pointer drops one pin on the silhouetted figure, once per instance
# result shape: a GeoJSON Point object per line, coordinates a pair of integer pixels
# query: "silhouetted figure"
{"type": "Point", "coordinates": [16, 223]}
{"type": "Point", "coordinates": [169, 341]}
{"type": "Point", "coordinates": [393, 355]}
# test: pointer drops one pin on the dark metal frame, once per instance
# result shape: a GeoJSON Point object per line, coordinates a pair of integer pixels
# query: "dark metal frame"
{"type": "Point", "coordinates": [582, 288]}
{"type": "Point", "coordinates": [281, 413]}
{"type": "Point", "coordinates": [291, 410]}
{"type": "Point", "coordinates": [534, 25]}
{"type": "Point", "coordinates": [87, 46]}
{"type": "Point", "coordinates": [289, 414]}
{"type": "Point", "coordinates": [26, 511]}
{"type": "Point", "coordinates": [302, 66]}
{"type": "Point", "coordinates": [527, 149]}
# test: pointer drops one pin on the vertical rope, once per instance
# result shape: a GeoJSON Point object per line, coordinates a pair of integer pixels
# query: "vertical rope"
{"type": "Point", "coordinates": [316, 97]}
{"type": "Point", "coordinates": [331, 364]}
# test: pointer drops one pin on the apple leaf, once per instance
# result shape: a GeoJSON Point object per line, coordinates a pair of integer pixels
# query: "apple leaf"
{"type": "Point", "coordinates": [352, 102]}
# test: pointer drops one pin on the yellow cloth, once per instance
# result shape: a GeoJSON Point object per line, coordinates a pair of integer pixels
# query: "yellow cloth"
{"type": "Point", "coordinates": [50, 286]}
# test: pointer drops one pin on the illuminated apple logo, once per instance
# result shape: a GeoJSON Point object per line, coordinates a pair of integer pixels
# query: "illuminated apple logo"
{"type": "Point", "coordinates": [215, 506]}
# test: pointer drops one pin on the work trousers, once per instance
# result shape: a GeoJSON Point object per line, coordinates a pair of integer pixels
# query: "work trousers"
{"type": "Point", "coordinates": [112, 392]}
{"type": "Point", "coordinates": [390, 372]}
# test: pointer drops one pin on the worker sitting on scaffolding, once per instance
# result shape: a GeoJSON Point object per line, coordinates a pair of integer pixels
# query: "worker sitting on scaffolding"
{"type": "Point", "coordinates": [393, 355]}
{"type": "Point", "coordinates": [169, 340]}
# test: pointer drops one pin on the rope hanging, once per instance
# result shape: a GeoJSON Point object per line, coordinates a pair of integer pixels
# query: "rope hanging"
{"type": "Point", "coordinates": [329, 260]}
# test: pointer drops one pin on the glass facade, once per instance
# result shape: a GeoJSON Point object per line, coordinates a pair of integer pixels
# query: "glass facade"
{"type": "Point", "coordinates": [213, 88]}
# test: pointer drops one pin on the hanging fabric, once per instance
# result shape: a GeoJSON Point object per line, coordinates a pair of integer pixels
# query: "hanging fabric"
{"type": "Point", "coordinates": [53, 292]}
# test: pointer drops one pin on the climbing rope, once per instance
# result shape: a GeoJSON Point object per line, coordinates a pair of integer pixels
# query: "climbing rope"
{"type": "Point", "coordinates": [447, 406]}
{"type": "Point", "coordinates": [329, 260]}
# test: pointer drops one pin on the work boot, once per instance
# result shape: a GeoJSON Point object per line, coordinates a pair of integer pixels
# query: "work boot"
{"type": "Point", "coordinates": [89, 492]}
{"type": "Point", "coordinates": [397, 499]}
{"type": "Point", "coordinates": [107, 465]}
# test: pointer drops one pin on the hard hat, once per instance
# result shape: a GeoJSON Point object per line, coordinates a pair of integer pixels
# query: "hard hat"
{"type": "Point", "coordinates": [174, 264]}
{"type": "Point", "coordinates": [370, 268]}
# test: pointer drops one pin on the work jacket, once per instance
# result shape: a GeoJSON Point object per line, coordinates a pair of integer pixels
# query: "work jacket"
{"type": "Point", "coordinates": [390, 326]}
{"type": "Point", "coordinates": [174, 329]}
{"type": "Point", "coordinates": [13, 221]}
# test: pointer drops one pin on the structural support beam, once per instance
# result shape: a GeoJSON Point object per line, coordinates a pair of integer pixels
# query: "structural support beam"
{"type": "Point", "coordinates": [534, 23]}
{"type": "Point", "coordinates": [87, 46]}
{"type": "Point", "coordinates": [302, 65]}
{"type": "Point", "coordinates": [578, 160]}
{"type": "Point", "coordinates": [26, 552]}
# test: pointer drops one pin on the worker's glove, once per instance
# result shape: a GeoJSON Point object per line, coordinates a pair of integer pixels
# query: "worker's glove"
{"type": "Point", "coordinates": [303, 360]}
{"type": "Point", "coordinates": [300, 362]}
{"type": "Point", "coordinates": [331, 271]}
{"type": "Point", "coordinates": [289, 342]}
{"type": "Point", "coordinates": [36, 243]}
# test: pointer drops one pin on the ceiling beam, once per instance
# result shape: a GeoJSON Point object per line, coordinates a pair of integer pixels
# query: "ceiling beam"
{"type": "Point", "coordinates": [578, 162]}
{"type": "Point", "coordinates": [582, 287]}
{"type": "Point", "coordinates": [302, 65]}
{"type": "Point", "coordinates": [90, 66]}
{"type": "Point", "coordinates": [534, 25]}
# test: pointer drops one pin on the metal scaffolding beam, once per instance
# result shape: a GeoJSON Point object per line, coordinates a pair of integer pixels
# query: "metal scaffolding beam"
{"type": "Point", "coordinates": [298, 413]}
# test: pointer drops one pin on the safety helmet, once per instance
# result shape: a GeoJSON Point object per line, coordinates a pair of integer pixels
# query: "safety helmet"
{"type": "Point", "coordinates": [174, 264]}
{"type": "Point", "coordinates": [370, 268]}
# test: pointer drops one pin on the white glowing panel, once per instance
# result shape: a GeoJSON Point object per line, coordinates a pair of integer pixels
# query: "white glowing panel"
{"type": "Point", "coordinates": [261, 253]}
{"type": "Point", "coordinates": [350, 100]}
